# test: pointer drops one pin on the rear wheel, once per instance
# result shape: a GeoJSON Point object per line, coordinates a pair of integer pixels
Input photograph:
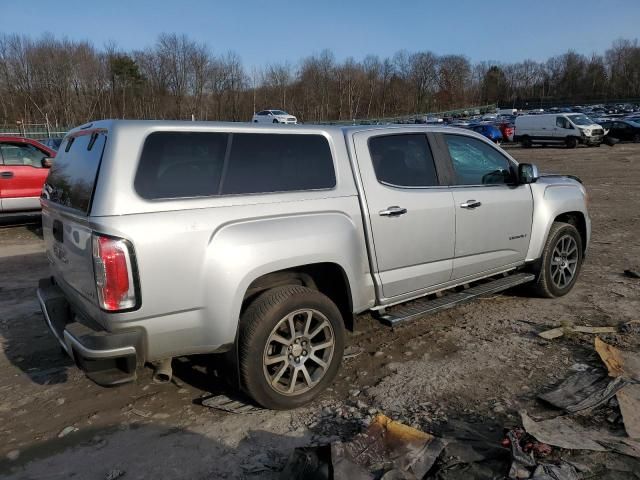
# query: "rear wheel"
{"type": "Point", "coordinates": [290, 346]}
{"type": "Point", "coordinates": [571, 142]}
{"type": "Point", "coordinates": [561, 261]}
{"type": "Point", "coordinates": [526, 142]}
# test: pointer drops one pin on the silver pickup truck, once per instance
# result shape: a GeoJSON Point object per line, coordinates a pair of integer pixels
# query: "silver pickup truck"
{"type": "Point", "coordinates": [178, 238]}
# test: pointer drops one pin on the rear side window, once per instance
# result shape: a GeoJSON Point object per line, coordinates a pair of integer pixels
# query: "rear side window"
{"type": "Point", "coordinates": [176, 165]}
{"type": "Point", "coordinates": [179, 165]}
{"type": "Point", "coordinates": [403, 160]}
{"type": "Point", "coordinates": [261, 163]}
{"type": "Point", "coordinates": [73, 175]}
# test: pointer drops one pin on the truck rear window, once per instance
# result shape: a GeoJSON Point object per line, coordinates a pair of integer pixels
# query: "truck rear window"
{"type": "Point", "coordinates": [73, 175]}
{"type": "Point", "coordinates": [179, 164]}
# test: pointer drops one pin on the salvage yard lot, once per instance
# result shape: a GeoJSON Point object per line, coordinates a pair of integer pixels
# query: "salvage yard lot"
{"type": "Point", "coordinates": [480, 364]}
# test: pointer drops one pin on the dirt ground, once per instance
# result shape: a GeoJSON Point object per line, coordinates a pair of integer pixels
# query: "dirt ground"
{"type": "Point", "coordinates": [477, 364]}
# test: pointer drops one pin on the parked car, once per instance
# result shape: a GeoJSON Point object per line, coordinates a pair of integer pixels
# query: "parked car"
{"type": "Point", "coordinates": [570, 129]}
{"type": "Point", "coordinates": [490, 131]}
{"type": "Point", "coordinates": [507, 130]}
{"type": "Point", "coordinates": [52, 143]}
{"type": "Point", "coordinates": [24, 165]}
{"type": "Point", "coordinates": [170, 238]}
{"type": "Point", "coordinates": [273, 116]}
{"type": "Point", "coordinates": [625, 130]}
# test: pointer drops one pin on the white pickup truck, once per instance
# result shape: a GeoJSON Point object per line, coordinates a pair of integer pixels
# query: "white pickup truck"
{"type": "Point", "coordinates": [182, 238]}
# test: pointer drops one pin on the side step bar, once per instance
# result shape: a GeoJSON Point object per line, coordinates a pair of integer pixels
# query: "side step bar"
{"type": "Point", "coordinates": [431, 304]}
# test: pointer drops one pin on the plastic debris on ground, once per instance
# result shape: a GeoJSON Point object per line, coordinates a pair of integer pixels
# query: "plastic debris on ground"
{"type": "Point", "coordinates": [385, 450]}
{"type": "Point", "coordinates": [588, 389]}
{"type": "Point", "coordinates": [230, 405]}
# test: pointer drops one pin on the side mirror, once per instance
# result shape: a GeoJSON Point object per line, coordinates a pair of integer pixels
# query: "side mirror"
{"type": "Point", "coordinates": [527, 173]}
{"type": "Point", "coordinates": [46, 162]}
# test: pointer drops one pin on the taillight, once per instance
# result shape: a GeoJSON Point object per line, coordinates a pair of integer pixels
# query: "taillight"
{"type": "Point", "coordinates": [113, 269]}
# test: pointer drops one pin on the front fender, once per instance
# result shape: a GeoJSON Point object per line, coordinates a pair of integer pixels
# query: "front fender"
{"type": "Point", "coordinates": [240, 252]}
{"type": "Point", "coordinates": [550, 201]}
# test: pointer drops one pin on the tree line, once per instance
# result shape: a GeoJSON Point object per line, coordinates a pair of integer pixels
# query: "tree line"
{"type": "Point", "coordinates": [70, 82]}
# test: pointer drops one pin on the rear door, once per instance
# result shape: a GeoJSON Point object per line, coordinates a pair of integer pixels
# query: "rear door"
{"type": "Point", "coordinates": [21, 176]}
{"type": "Point", "coordinates": [411, 215]}
{"type": "Point", "coordinates": [493, 215]}
{"type": "Point", "coordinates": [67, 197]}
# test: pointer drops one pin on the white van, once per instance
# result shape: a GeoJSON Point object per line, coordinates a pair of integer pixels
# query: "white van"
{"type": "Point", "coordinates": [569, 129]}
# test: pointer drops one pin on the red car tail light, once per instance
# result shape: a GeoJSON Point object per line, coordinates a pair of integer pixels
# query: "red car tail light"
{"type": "Point", "coordinates": [114, 273]}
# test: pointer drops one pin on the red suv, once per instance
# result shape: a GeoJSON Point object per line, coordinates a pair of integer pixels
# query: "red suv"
{"type": "Point", "coordinates": [24, 165]}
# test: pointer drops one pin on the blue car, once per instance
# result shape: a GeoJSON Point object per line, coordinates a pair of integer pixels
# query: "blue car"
{"type": "Point", "coordinates": [490, 131]}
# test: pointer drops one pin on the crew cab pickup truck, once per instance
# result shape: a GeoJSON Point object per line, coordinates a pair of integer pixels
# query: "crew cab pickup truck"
{"type": "Point", "coordinates": [172, 238]}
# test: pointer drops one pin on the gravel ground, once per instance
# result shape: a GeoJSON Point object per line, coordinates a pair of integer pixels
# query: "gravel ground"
{"type": "Point", "coordinates": [478, 364]}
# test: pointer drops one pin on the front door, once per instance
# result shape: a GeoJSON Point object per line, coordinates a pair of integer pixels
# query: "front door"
{"type": "Point", "coordinates": [21, 176]}
{"type": "Point", "coordinates": [493, 214]}
{"type": "Point", "coordinates": [411, 216]}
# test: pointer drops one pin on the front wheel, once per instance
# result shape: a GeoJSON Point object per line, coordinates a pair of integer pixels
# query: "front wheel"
{"type": "Point", "coordinates": [290, 346]}
{"type": "Point", "coordinates": [572, 142]}
{"type": "Point", "coordinates": [561, 261]}
{"type": "Point", "coordinates": [275, 120]}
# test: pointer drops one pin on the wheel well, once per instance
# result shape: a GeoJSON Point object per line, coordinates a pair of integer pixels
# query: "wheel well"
{"type": "Point", "coordinates": [328, 278]}
{"type": "Point", "coordinates": [577, 220]}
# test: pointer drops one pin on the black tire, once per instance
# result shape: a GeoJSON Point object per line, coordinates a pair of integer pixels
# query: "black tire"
{"type": "Point", "coordinates": [636, 138]}
{"type": "Point", "coordinates": [275, 120]}
{"type": "Point", "coordinates": [571, 142]}
{"type": "Point", "coordinates": [257, 326]}
{"type": "Point", "coordinates": [526, 142]}
{"type": "Point", "coordinates": [545, 285]}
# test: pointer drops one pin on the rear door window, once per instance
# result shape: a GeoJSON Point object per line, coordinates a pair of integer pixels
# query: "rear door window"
{"type": "Point", "coordinates": [183, 165]}
{"type": "Point", "coordinates": [73, 175]}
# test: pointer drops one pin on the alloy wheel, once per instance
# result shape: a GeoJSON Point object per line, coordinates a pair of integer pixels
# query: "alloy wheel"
{"type": "Point", "coordinates": [564, 261]}
{"type": "Point", "coordinates": [298, 352]}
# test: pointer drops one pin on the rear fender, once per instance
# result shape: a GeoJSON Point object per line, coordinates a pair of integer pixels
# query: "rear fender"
{"type": "Point", "coordinates": [239, 253]}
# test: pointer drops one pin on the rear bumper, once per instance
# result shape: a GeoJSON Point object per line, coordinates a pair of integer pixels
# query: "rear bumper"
{"type": "Point", "coordinates": [107, 358]}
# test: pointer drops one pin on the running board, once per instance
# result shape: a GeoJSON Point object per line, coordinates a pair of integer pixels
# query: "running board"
{"type": "Point", "coordinates": [431, 304]}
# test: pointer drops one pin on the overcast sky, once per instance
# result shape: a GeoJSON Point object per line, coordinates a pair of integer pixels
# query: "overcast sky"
{"type": "Point", "coordinates": [276, 31]}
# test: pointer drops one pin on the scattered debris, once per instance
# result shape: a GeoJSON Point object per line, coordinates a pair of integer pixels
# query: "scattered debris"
{"type": "Point", "coordinates": [560, 331]}
{"type": "Point", "coordinates": [390, 449]}
{"type": "Point", "coordinates": [625, 366]}
{"type": "Point", "coordinates": [13, 455]}
{"type": "Point", "coordinates": [630, 327]}
{"type": "Point", "coordinates": [140, 413]}
{"type": "Point", "coordinates": [231, 405]}
{"type": "Point", "coordinates": [551, 334]}
{"type": "Point", "coordinates": [114, 474]}
{"type": "Point", "coordinates": [632, 273]}
{"type": "Point", "coordinates": [582, 390]}
{"type": "Point", "coordinates": [352, 352]}
{"type": "Point", "coordinates": [66, 431]}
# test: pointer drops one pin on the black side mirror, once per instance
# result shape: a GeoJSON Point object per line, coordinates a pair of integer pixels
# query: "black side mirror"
{"type": "Point", "coordinates": [527, 173]}
{"type": "Point", "coordinates": [46, 162]}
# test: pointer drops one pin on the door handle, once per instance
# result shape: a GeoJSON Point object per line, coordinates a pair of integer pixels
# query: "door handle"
{"type": "Point", "coordinates": [394, 211]}
{"type": "Point", "coordinates": [6, 174]}
{"type": "Point", "coordinates": [470, 204]}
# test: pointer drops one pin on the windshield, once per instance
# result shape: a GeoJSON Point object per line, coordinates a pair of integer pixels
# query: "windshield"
{"type": "Point", "coordinates": [582, 120]}
{"type": "Point", "coordinates": [634, 123]}
{"type": "Point", "coordinates": [279, 112]}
